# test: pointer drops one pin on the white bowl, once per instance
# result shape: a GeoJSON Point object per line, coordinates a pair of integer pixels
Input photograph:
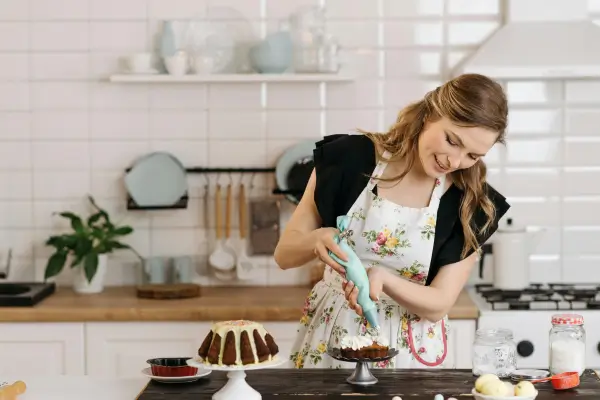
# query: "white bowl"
{"type": "Point", "coordinates": [479, 396]}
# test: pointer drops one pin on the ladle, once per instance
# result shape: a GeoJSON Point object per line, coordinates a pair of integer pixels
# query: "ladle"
{"type": "Point", "coordinates": [220, 258]}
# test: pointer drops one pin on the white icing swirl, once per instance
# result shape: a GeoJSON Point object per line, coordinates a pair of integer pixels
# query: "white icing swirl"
{"type": "Point", "coordinates": [380, 340]}
{"type": "Point", "coordinates": [356, 342]}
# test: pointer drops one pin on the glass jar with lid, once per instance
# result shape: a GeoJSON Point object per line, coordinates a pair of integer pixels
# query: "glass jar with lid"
{"type": "Point", "coordinates": [567, 344]}
{"type": "Point", "coordinates": [494, 352]}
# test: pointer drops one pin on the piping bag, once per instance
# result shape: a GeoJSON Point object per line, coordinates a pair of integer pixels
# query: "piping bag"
{"type": "Point", "coordinates": [356, 272]}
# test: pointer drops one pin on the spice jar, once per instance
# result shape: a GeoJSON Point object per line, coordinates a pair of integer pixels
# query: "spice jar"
{"type": "Point", "coordinates": [567, 344]}
{"type": "Point", "coordinates": [494, 352]}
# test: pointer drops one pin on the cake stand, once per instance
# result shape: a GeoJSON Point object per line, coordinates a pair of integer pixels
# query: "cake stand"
{"type": "Point", "coordinates": [362, 375]}
{"type": "Point", "coordinates": [236, 386]}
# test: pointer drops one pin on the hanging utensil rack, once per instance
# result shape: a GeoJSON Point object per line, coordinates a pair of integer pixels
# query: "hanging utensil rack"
{"type": "Point", "coordinates": [183, 202]}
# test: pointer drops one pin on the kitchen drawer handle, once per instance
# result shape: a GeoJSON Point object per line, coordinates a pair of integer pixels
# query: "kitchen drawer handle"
{"type": "Point", "coordinates": [525, 348]}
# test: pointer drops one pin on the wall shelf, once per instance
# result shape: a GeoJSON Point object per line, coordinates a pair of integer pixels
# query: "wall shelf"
{"type": "Point", "coordinates": [230, 78]}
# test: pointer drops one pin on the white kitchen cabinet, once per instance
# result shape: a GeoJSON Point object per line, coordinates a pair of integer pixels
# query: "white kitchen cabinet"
{"type": "Point", "coordinates": [120, 349]}
{"type": "Point", "coordinates": [42, 349]}
{"type": "Point", "coordinates": [460, 343]}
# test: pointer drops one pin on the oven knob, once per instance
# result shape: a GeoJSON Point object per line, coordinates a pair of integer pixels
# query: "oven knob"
{"type": "Point", "coordinates": [525, 348]}
{"type": "Point", "coordinates": [598, 347]}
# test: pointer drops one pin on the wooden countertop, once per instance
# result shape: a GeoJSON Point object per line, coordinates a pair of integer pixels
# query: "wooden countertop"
{"type": "Point", "coordinates": [413, 384]}
{"type": "Point", "coordinates": [281, 303]}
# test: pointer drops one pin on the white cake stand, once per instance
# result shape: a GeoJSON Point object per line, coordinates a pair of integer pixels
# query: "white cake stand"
{"type": "Point", "coordinates": [236, 387]}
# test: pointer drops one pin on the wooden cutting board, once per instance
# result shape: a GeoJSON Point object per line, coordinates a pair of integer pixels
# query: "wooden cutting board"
{"type": "Point", "coordinates": [168, 292]}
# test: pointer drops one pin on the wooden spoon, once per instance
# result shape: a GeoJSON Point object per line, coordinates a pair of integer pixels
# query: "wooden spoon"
{"type": "Point", "coordinates": [244, 265]}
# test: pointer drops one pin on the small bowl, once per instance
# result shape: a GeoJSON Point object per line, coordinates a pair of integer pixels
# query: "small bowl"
{"type": "Point", "coordinates": [173, 366]}
{"type": "Point", "coordinates": [479, 396]}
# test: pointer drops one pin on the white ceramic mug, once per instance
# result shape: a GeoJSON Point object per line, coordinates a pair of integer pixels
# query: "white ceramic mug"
{"type": "Point", "coordinates": [177, 64]}
{"type": "Point", "coordinates": [139, 62]}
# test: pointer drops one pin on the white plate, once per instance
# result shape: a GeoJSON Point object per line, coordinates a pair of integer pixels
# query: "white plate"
{"type": "Point", "coordinates": [298, 152]}
{"type": "Point", "coordinates": [176, 379]}
{"type": "Point", "coordinates": [479, 396]}
{"type": "Point", "coordinates": [197, 362]}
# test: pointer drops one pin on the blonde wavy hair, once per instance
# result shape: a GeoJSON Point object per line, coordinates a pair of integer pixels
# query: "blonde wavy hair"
{"type": "Point", "coordinates": [469, 100]}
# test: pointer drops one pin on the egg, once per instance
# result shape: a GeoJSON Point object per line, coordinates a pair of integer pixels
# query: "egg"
{"type": "Point", "coordinates": [483, 379]}
{"type": "Point", "coordinates": [524, 388]}
{"type": "Point", "coordinates": [438, 397]}
{"type": "Point", "coordinates": [494, 388]}
{"type": "Point", "coordinates": [510, 389]}
{"type": "Point", "coordinates": [396, 398]}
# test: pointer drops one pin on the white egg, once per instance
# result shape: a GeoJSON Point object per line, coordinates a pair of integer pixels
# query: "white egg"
{"type": "Point", "coordinates": [483, 379]}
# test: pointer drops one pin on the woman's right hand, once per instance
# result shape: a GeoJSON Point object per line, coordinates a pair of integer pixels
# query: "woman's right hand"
{"type": "Point", "coordinates": [324, 242]}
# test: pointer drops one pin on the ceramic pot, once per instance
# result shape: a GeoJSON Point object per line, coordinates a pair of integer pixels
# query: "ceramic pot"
{"type": "Point", "coordinates": [81, 284]}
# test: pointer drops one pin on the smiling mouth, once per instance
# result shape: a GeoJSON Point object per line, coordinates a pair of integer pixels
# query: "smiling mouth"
{"type": "Point", "coordinates": [439, 164]}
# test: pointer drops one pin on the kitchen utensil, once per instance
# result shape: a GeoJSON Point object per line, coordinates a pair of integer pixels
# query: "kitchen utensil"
{"type": "Point", "coordinates": [511, 247]}
{"type": "Point", "coordinates": [183, 269]}
{"type": "Point", "coordinates": [528, 374]}
{"type": "Point", "coordinates": [157, 179]}
{"type": "Point", "coordinates": [273, 55]}
{"type": "Point", "coordinates": [294, 168]}
{"type": "Point", "coordinates": [171, 366]}
{"type": "Point", "coordinates": [156, 270]}
{"type": "Point", "coordinates": [566, 380]}
{"type": "Point", "coordinates": [244, 265]}
{"type": "Point", "coordinates": [356, 273]}
{"type": "Point", "coordinates": [220, 259]}
{"type": "Point", "coordinates": [175, 379]}
{"type": "Point", "coordinates": [177, 64]}
{"type": "Point", "coordinates": [172, 291]}
{"type": "Point", "coordinates": [362, 375]}
{"type": "Point", "coordinates": [264, 225]}
{"type": "Point", "coordinates": [229, 245]}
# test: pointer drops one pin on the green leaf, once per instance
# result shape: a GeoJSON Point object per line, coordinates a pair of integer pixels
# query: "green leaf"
{"type": "Point", "coordinates": [94, 218]}
{"type": "Point", "coordinates": [90, 265]}
{"type": "Point", "coordinates": [122, 231]}
{"type": "Point", "coordinates": [55, 264]}
{"type": "Point", "coordinates": [82, 248]}
{"type": "Point", "coordinates": [102, 212]}
{"type": "Point", "coordinates": [76, 222]}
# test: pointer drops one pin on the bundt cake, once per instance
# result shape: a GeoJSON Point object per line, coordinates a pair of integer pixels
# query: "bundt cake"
{"type": "Point", "coordinates": [238, 342]}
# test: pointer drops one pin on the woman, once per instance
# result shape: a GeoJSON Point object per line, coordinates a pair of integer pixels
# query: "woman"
{"type": "Point", "coordinates": [419, 209]}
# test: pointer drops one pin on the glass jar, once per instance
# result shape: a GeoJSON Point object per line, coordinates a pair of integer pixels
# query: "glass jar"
{"type": "Point", "coordinates": [567, 344]}
{"type": "Point", "coordinates": [494, 352]}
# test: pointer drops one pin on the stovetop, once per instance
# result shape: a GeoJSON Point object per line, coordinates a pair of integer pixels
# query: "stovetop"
{"type": "Point", "coordinates": [548, 296]}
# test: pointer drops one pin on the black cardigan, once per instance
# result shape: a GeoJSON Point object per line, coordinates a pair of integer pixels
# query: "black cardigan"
{"type": "Point", "coordinates": [341, 163]}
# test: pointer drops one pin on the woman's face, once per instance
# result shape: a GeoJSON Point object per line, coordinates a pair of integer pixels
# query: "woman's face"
{"type": "Point", "coordinates": [445, 147]}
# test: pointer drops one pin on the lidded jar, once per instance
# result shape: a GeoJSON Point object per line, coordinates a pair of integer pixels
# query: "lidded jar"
{"type": "Point", "coordinates": [567, 344]}
{"type": "Point", "coordinates": [494, 352]}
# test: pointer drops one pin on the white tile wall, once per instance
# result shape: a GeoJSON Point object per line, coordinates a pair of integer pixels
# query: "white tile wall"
{"type": "Point", "coordinates": [65, 131]}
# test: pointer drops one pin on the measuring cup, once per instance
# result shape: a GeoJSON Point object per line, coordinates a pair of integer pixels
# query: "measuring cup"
{"type": "Point", "coordinates": [563, 381]}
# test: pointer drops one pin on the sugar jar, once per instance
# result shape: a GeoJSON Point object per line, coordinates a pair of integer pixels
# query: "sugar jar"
{"type": "Point", "coordinates": [494, 352]}
{"type": "Point", "coordinates": [567, 344]}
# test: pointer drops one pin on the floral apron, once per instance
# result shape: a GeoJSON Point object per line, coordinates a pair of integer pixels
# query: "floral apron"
{"type": "Point", "coordinates": [389, 236]}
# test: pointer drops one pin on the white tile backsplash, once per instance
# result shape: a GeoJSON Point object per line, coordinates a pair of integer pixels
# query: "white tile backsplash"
{"type": "Point", "coordinates": [66, 132]}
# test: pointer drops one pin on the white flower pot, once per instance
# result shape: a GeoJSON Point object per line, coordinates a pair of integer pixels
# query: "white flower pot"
{"type": "Point", "coordinates": [81, 284]}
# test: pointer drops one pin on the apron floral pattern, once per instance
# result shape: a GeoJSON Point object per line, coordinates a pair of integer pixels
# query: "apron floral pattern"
{"type": "Point", "coordinates": [385, 235]}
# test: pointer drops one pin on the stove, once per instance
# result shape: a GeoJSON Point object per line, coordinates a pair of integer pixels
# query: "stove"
{"type": "Point", "coordinates": [528, 313]}
{"type": "Point", "coordinates": [550, 296]}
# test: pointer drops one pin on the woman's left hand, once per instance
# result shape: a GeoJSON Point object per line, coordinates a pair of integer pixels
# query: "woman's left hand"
{"type": "Point", "coordinates": [376, 276]}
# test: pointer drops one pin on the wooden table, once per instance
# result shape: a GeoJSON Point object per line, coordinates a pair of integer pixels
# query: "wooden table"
{"type": "Point", "coordinates": [284, 384]}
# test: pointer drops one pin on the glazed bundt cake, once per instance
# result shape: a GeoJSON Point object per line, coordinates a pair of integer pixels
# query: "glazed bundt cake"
{"type": "Point", "coordinates": [238, 342]}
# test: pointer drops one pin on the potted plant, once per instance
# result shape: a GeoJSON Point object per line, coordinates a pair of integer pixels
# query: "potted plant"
{"type": "Point", "coordinates": [87, 247]}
